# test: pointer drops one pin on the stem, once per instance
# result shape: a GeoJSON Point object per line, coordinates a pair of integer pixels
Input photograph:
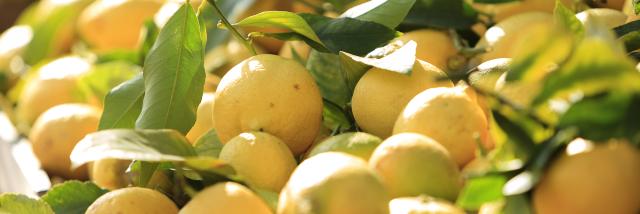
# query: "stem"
{"type": "Point", "coordinates": [244, 40]}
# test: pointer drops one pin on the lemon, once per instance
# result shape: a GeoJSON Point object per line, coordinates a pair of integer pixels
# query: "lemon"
{"type": "Point", "coordinates": [262, 159]}
{"type": "Point", "coordinates": [488, 73]}
{"type": "Point", "coordinates": [111, 25]}
{"type": "Point", "coordinates": [133, 200]}
{"type": "Point", "coordinates": [333, 182]}
{"type": "Point", "coordinates": [591, 178]}
{"type": "Point", "coordinates": [13, 42]}
{"type": "Point", "coordinates": [271, 94]}
{"type": "Point", "coordinates": [380, 95]}
{"type": "Point", "coordinates": [54, 83]}
{"type": "Point", "coordinates": [228, 198]}
{"type": "Point", "coordinates": [434, 46]}
{"type": "Point", "coordinates": [358, 144]}
{"type": "Point", "coordinates": [204, 117]}
{"type": "Point", "coordinates": [57, 131]}
{"type": "Point", "coordinates": [110, 173]}
{"type": "Point", "coordinates": [504, 11]}
{"type": "Point", "coordinates": [502, 37]}
{"type": "Point", "coordinates": [411, 164]}
{"type": "Point", "coordinates": [608, 17]}
{"type": "Point", "coordinates": [301, 48]}
{"type": "Point", "coordinates": [422, 205]}
{"type": "Point", "coordinates": [451, 118]}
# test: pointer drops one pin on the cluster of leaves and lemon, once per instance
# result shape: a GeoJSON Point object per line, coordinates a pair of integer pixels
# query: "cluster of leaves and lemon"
{"type": "Point", "coordinates": [145, 119]}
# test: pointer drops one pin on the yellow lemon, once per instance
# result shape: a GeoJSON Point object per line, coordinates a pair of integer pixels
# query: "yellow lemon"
{"type": "Point", "coordinates": [411, 164]}
{"type": "Point", "coordinates": [110, 173]}
{"type": "Point", "coordinates": [262, 159]}
{"type": "Point", "coordinates": [380, 95]}
{"type": "Point", "coordinates": [591, 178]}
{"type": "Point", "coordinates": [271, 94]}
{"type": "Point", "coordinates": [228, 198]}
{"type": "Point", "coordinates": [204, 117]}
{"type": "Point", "coordinates": [434, 46]}
{"type": "Point", "coordinates": [422, 205]}
{"type": "Point", "coordinates": [451, 118]}
{"type": "Point", "coordinates": [57, 131]}
{"type": "Point", "coordinates": [133, 200]}
{"type": "Point", "coordinates": [333, 182]}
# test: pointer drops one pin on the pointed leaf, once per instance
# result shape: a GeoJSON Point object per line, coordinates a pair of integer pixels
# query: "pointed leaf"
{"type": "Point", "coordinates": [455, 14]}
{"type": "Point", "coordinates": [146, 145]}
{"type": "Point", "coordinates": [280, 19]}
{"type": "Point", "coordinates": [123, 105]}
{"type": "Point", "coordinates": [174, 75]}
{"type": "Point", "coordinates": [480, 190]}
{"type": "Point", "coordinates": [389, 13]}
{"type": "Point", "coordinates": [208, 144]}
{"type": "Point", "coordinates": [16, 203]}
{"type": "Point", "coordinates": [73, 197]}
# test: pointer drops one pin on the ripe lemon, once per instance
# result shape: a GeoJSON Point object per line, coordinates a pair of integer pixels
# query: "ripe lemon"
{"type": "Point", "coordinates": [110, 173]}
{"type": "Point", "coordinates": [57, 131]}
{"type": "Point", "coordinates": [110, 25]}
{"type": "Point", "coordinates": [591, 178]}
{"type": "Point", "coordinates": [502, 37]}
{"type": "Point", "coordinates": [333, 182]}
{"type": "Point", "coordinates": [411, 164]}
{"type": "Point", "coordinates": [13, 42]}
{"type": "Point", "coordinates": [506, 10]}
{"type": "Point", "coordinates": [608, 17]}
{"type": "Point", "coordinates": [434, 46]}
{"type": "Point", "coordinates": [133, 200]}
{"type": "Point", "coordinates": [228, 198]}
{"type": "Point", "coordinates": [204, 117]}
{"type": "Point", "coordinates": [271, 94]}
{"type": "Point", "coordinates": [422, 205]}
{"type": "Point", "coordinates": [54, 83]}
{"type": "Point", "coordinates": [451, 118]}
{"type": "Point", "coordinates": [380, 95]}
{"type": "Point", "coordinates": [262, 159]}
{"type": "Point", "coordinates": [358, 144]}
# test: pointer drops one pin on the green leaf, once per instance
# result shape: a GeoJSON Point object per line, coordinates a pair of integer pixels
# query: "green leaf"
{"type": "Point", "coordinates": [493, 1]}
{"type": "Point", "coordinates": [123, 105]}
{"type": "Point", "coordinates": [230, 9]}
{"type": "Point", "coordinates": [174, 75]}
{"type": "Point", "coordinates": [636, 6]}
{"type": "Point", "coordinates": [400, 60]}
{"type": "Point", "coordinates": [149, 35]}
{"type": "Point", "coordinates": [11, 203]}
{"type": "Point", "coordinates": [280, 19]}
{"type": "Point", "coordinates": [388, 13]}
{"type": "Point", "coordinates": [516, 135]}
{"type": "Point", "coordinates": [517, 204]}
{"type": "Point", "coordinates": [325, 69]}
{"type": "Point", "coordinates": [210, 164]}
{"type": "Point", "coordinates": [208, 144]}
{"type": "Point", "coordinates": [73, 197]}
{"type": "Point", "coordinates": [119, 55]}
{"type": "Point", "coordinates": [568, 19]}
{"type": "Point", "coordinates": [103, 77]}
{"type": "Point", "coordinates": [126, 144]}
{"type": "Point", "coordinates": [455, 14]}
{"type": "Point", "coordinates": [597, 65]}
{"type": "Point", "coordinates": [50, 22]}
{"type": "Point", "coordinates": [348, 34]}
{"type": "Point", "coordinates": [480, 190]}
{"type": "Point", "coordinates": [270, 197]}
{"type": "Point", "coordinates": [333, 116]}
{"type": "Point", "coordinates": [627, 28]}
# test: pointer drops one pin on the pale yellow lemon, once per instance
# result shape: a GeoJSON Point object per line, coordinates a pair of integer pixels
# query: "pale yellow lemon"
{"type": "Point", "coordinates": [133, 200]}
{"type": "Point", "coordinates": [228, 198]}
{"type": "Point", "coordinates": [204, 117]}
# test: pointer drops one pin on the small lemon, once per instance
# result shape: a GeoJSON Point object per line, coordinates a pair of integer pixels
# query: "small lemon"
{"type": "Point", "coordinates": [133, 200]}
{"type": "Point", "coordinates": [228, 198]}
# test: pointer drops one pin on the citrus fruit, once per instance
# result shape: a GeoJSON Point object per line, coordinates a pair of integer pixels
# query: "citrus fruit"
{"type": "Point", "coordinates": [359, 144]}
{"type": "Point", "coordinates": [422, 205]}
{"type": "Point", "coordinates": [57, 131]}
{"type": "Point", "coordinates": [300, 48]}
{"type": "Point", "coordinates": [434, 46]}
{"type": "Point", "coordinates": [451, 118]}
{"type": "Point", "coordinates": [204, 117]}
{"type": "Point", "coordinates": [411, 164]}
{"type": "Point", "coordinates": [591, 177]}
{"type": "Point", "coordinates": [133, 200]}
{"type": "Point", "coordinates": [228, 198]}
{"type": "Point", "coordinates": [271, 94]}
{"type": "Point", "coordinates": [110, 173]}
{"type": "Point", "coordinates": [111, 25]}
{"type": "Point", "coordinates": [504, 11]}
{"type": "Point", "coordinates": [333, 182]}
{"type": "Point", "coordinates": [380, 95]}
{"type": "Point", "coordinates": [262, 159]}
{"type": "Point", "coordinates": [501, 38]}
{"type": "Point", "coordinates": [608, 17]}
{"type": "Point", "coordinates": [54, 83]}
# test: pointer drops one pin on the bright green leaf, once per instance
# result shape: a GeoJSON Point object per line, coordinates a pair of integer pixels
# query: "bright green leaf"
{"type": "Point", "coordinates": [567, 18]}
{"type": "Point", "coordinates": [280, 19]}
{"type": "Point", "coordinates": [325, 69]}
{"type": "Point", "coordinates": [174, 75]}
{"type": "Point", "coordinates": [146, 145]}
{"type": "Point", "coordinates": [11, 203]}
{"type": "Point", "coordinates": [388, 13]}
{"type": "Point", "coordinates": [480, 190]}
{"type": "Point", "coordinates": [208, 144]}
{"type": "Point", "coordinates": [103, 77]}
{"type": "Point", "coordinates": [123, 105]}
{"type": "Point", "coordinates": [73, 197]}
